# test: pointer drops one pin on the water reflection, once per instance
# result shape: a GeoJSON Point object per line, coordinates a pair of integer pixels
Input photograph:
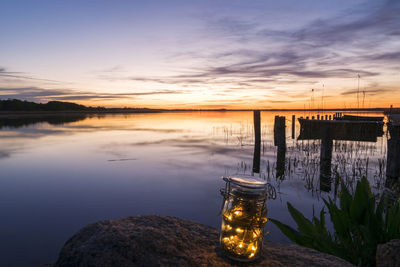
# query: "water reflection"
{"type": "Point", "coordinates": [325, 161]}
{"type": "Point", "coordinates": [392, 183]}
{"type": "Point", "coordinates": [22, 121]}
{"type": "Point", "coordinates": [57, 176]}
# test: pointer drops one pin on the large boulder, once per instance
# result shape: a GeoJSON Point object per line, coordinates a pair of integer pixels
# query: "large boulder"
{"type": "Point", "coordinates": [158, 240]}
{"type": "Point", "coordinates": [388, 254]}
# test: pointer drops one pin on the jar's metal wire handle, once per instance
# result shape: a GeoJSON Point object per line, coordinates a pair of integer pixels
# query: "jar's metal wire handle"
{"type": "Point", "coordinates": [271, 191]}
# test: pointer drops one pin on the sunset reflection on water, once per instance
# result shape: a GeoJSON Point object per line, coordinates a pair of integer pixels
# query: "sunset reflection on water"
{"type": "Point", "coordinates": [57, 176]}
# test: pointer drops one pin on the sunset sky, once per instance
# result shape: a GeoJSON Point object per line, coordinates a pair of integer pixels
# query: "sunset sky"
{"type": "Point", "coordinates": [203, 53]}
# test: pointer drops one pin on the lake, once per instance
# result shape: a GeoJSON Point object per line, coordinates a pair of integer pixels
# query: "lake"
{"type": "Point", "coordinates": [59, 174]}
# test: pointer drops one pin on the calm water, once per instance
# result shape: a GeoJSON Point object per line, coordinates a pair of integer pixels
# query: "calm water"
{"type": "Point", "coordinates": [57, 177]}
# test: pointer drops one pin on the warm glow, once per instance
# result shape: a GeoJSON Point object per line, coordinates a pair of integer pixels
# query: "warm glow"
{"type": "Point", "coordinates": [244, 231]}
{"type": "Point", "coordinates": [238, 213]}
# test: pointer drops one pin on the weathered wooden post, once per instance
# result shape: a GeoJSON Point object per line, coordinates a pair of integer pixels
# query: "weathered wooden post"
{"type": "Point", "coordinates": [279, 131]}
{"type": "Point", "coordinates": [325, 159]}
{"type": "Point", "coordinates": [257, 141]}
{"type": "Point", "coordinates": [280, 142]}
{"type": "Point", "coordinates": [293, 126]}
{"type": "Point", "coordinates": [393, 153]}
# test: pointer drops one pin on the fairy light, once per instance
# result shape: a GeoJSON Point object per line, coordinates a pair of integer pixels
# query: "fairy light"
{"type": "Point", "coordinates": [242, 236]}
{"type": "Point", "coordinates": [238, 213]}
{"type": "Point", "coordinates": [243, 221]}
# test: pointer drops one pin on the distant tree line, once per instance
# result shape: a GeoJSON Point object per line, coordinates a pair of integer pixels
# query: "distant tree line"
{"type": "Point", "coordinates": [20, 105]}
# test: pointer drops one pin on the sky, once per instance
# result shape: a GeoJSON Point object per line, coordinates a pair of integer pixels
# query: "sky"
{"type": "Point", "coordinates": [203, 53]}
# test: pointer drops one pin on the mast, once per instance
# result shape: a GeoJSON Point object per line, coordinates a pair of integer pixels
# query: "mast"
{"type": "Point", "coordinates": [322, 98]}
{"type": "Point", "coordinates": [358, 92]}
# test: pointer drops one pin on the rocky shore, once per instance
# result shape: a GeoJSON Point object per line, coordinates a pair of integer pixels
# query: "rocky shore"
{"type": "Point", "coordinates": [167, 241]}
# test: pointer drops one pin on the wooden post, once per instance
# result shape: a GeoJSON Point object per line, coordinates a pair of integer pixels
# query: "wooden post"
{"type": "Point", "coordinates": [326, 117]}
{"type": "Point", "coordinates": [318, 117]}
{"type": "Point", "coordinates": [312, 117]}
{"type": "Point", "coordinates": [279, 131]}
{"type": "Point", "coordinates": [325, 158]}
{"type": "Point", "coordinates": [393, 153]}
{"type": "Point", "coordinates": [280, 142]}
{"type": "Point", "coordinates": [257, 141]}
{"type": "Point", "coordinates": [293, 125]}
{"type": "Point", "coordinates": [330, 117]}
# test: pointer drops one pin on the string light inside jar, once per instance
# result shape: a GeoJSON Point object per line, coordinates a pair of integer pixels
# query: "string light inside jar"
{"type": "Point", "coordinates": [244, 214]}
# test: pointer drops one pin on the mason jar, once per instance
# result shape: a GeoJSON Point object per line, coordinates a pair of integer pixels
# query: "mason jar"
{"type": "Point", "coordinates": [244, 214]}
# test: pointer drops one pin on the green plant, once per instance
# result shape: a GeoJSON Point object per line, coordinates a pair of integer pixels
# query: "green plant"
{"type": "Point", "coordinates": [359, 223]}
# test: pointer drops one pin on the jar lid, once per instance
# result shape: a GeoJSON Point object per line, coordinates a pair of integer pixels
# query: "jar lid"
{"type": "Point", "coordinates": [247, 181]}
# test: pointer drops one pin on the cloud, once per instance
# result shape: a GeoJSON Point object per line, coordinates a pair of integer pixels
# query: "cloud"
{"type": "Point", "coordinates": [4, 154]}
{"type": "Point", "coordinates": [369, 28]}
{"type": "Point", "coordinates": [231, 28]}
{"type": "Point", "coordinates": [38, 94]}
{"type": "Point", "coordinates": [386, 57]}
{"type": "Point", "coordinates": [369, 91]}
{"type": "Point", "coordinates": [338, 47]}
{"type": "Point", "coordinates": [279, 101]}
{"type": "Point", "coordinates": [21, 76]}
{"type": "Point", "coordinates": [240, 53]}
{"type": "Point", "coordinates": [313, 51]}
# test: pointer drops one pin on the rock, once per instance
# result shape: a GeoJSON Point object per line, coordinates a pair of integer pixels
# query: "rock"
{"type": "Point", "coordinates": [159, 240]}
{"type": "Point", "coordinates": [388, 254]}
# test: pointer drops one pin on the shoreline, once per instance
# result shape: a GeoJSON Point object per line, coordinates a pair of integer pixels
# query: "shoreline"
{"type": "Point", "coordinates": [140, 111]}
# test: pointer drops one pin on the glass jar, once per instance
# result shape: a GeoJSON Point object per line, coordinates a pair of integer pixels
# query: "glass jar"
{"type": "Point", "coordinates": [244, 214]}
